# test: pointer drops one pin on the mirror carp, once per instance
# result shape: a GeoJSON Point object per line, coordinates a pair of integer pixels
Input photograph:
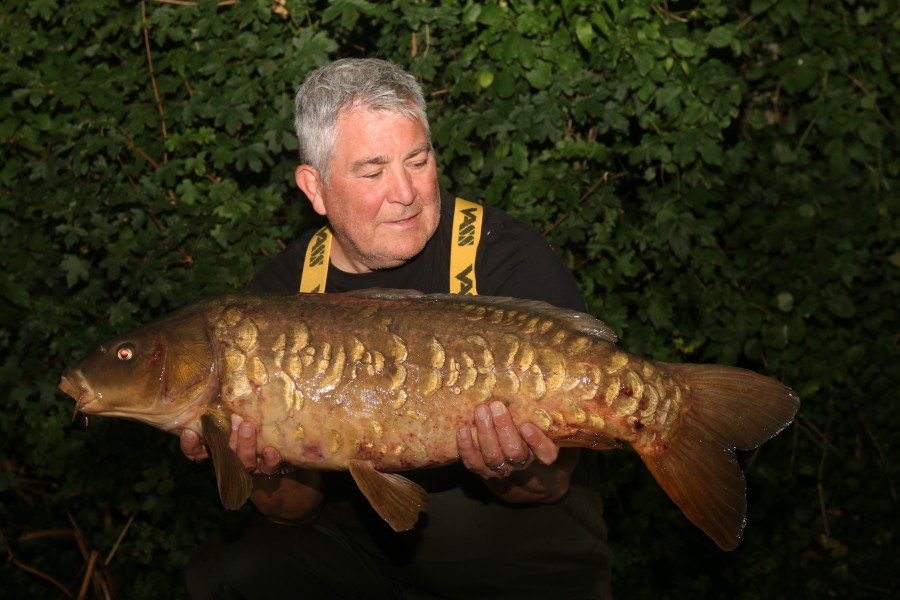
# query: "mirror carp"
{"type": "Point", "coordinates": [378, 381]}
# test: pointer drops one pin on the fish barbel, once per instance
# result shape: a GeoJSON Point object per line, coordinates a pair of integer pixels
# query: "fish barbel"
{"type": "Point", "coordinates": [378, 381]}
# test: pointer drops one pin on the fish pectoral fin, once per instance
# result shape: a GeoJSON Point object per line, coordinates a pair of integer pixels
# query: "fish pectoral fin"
{"type": "Point", "coordinates": [394, 497]}
{"type": "Point", "coordinates": [235, 483]}
{"type": "Point", "coordinates": [588, 439]}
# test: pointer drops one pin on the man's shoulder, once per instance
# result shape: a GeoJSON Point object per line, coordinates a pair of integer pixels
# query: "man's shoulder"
{"type": "Point", "coordinates": [283, 271]}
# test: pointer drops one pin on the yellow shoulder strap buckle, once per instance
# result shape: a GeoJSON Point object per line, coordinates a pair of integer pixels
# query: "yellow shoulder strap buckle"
{"type": "Point", "coordinates": [467, 217]}
{"type": "Point", "coordinates": [315, 265]}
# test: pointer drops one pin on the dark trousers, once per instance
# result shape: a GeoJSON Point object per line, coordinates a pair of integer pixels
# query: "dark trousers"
{"type": "Point", "coordinates": [462, 548]}
{"type": "Point", "coordinates": [259, 559]}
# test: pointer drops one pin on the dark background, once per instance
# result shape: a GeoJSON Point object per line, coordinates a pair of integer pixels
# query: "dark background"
{"type": "Point", "coordinates": [722, 177]}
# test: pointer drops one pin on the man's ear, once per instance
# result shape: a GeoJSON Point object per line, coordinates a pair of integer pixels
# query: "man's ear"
{"type": "Point", "coordinates": [307, 178]}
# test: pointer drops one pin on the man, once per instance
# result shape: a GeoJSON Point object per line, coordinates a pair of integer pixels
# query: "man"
{"type": "Point", "coordinates": [517, 516]}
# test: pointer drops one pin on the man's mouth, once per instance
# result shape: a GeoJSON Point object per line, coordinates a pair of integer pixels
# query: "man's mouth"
{"type": "Point", "coordinates": [404, 221]}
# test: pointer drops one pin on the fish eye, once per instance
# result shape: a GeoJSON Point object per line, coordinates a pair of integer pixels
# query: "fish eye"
{"type": "Point", "coordinates": [125, 352]}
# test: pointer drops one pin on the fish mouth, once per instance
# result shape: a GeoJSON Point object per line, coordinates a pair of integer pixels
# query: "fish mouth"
{"type": "Point", "coordinates": [86, 401]}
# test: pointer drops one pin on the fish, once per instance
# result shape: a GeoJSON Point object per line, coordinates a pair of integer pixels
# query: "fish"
{"type": "Point", "coordinates": [378, 381]}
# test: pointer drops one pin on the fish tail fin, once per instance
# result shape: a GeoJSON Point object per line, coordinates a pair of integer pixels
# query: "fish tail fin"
{"type": "Point", "coordinates": [726, 408]}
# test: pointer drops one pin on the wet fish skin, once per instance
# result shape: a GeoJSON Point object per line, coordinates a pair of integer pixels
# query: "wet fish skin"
{"type": "Point", "coordinates": [380, 381]}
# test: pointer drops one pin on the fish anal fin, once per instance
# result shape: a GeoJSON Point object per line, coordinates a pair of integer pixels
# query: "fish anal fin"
{"type": "Point", "coordinates": [235, 483]}
{"type": "Point", "coordinates": [588, 439]}
{"type": "Point", "coordinates": [394, 497]}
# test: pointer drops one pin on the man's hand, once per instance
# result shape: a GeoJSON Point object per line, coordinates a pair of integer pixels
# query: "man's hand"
{"type": "Point", "coordinates": [290, 498]}
{"type": "Point", "coordinates": [519, 464]}
{"type": "Point", "coordinates": [242, 441]}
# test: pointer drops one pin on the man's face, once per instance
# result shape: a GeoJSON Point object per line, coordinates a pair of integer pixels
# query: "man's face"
{"type": "Point", "coordinates": [382, 198]}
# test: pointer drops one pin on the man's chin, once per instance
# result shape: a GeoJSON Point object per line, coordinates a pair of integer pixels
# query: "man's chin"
{"type": "Point", "coordinates": [382, 262]}
{"type": "Point", "coordinates": [387, 263]}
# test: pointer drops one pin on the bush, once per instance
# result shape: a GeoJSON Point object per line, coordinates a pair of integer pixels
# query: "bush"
{"type": "Point", "coordinates": [721, 176]}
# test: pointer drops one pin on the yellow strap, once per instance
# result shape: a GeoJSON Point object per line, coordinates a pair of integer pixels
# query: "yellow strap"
{"type": "Point", "coordinates": [315, 265]}
{"type": "Point", "coordinates": [467, 218]}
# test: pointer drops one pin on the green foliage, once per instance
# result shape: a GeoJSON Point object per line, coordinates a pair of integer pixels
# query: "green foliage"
{"type": "Point", "coordinates": [721, 176]}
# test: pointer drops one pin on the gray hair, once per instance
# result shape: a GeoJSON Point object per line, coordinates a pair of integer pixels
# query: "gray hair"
{"type": "Point", "coordinates": [368, 83]}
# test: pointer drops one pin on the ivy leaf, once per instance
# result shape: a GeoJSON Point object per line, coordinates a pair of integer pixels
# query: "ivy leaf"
{"type": "Point", "coordinates": [75, 269]}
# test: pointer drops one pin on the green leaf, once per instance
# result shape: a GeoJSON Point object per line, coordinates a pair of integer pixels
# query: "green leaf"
{"type": "Point", "coordinates": [684, 47]}
{"type": "Point", "coordinates": [841, 305]}
{"type": "Point", "coordinates": [492, 15]}
{"type": "Point", "coordinates": [584, 31]}
{"type": "Point", "coordinates": [484, 79]}
{"type": "Point", "coordinates": [643, 60]}
{"type": "Point", "coordinates": [75, 269]}
{"type": "Point", "coordinates": [14, 292]}
{"type": "Point", "coordinates": [541, 76]}
{"type": "Point", "coordinates": [785, 301]}
{"type": "Point", "coordinates": [506, 82]}
{"type": "Point", "coordinates": [721, 36]}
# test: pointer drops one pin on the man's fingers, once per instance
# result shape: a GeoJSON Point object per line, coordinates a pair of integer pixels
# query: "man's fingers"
{"type": "Point", "coordinates": [542, 447]}
{"type": "Point", "coordinates": [271, 461]}
{"type": "Point", "coordinates": [192, 446]}
{"type": "Point", "coordinates": [515, 450]}
{"type": "Point", "coordinates": [488, 438]}
{"type": "Point", "coordinates": [246, 445]}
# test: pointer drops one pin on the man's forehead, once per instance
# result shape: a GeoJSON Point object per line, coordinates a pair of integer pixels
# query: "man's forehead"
{"type": "Point", "coordinates": [355, 146]}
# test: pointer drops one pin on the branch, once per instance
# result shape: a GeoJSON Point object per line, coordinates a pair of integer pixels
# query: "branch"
{"type": "Point", "coordinates": [603, 179]}
{"type": "Point", "coordinates": [159, 104]}
{"type": "Point", "coordinates": [29, 569]}
{"type": "Point", "coordinates": [188, 3]}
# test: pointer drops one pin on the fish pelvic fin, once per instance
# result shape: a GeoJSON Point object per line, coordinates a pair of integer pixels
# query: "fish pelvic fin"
{"type": "Point", "coordinates": [235, 483]}
{"type": "Point", "coordinates": [726, 408]}
{"type": "Point", "coordinates": [394, 497]}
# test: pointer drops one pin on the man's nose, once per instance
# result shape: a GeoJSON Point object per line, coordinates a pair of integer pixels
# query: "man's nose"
{"type": "Point", "coordinates": [402, 189]}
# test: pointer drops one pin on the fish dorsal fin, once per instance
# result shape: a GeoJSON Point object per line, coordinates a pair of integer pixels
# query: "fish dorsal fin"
{"type": "Point", "coordinates": [588, 439]}
{"type": "Point", "coordinates": [235, 483]}
{"type": "Point", "coordinates": [394, 497]}
{"type": "Point", "coordinates": [385, 293]}
{"type": "Point", "coordinates": [582, 322]}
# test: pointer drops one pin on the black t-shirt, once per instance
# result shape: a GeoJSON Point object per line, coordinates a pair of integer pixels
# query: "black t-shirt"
{"type": "Point", "coordinates": [468, 535]}
{"type": "Point", "coordinates": [512, 260]}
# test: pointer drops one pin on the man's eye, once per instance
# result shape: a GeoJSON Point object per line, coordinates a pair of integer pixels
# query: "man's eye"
{"type": "Point", "coordinates": [374, 175]}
